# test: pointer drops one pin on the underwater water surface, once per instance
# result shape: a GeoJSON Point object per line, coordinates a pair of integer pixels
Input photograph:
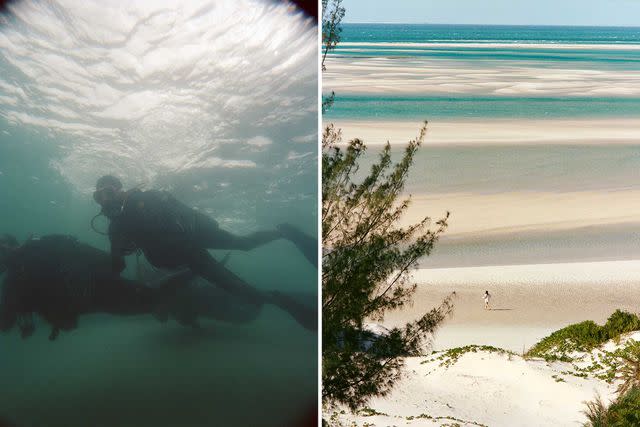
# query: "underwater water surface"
{"type": "Point", "coordinates": [215, 102]}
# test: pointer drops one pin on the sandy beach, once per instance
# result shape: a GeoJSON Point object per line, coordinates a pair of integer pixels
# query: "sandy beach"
{"type": "Point", "coordinates": [494, 131]}
{"type": "Point", "coordinates": [489, 214]}
{"type": "Point", "coordinates": [551, 190]}
{"type": "Point", "coordinates": [552, 234]}
{"type": "Point", "coordinates": [528, 301]}
{"type": "Point", "coordinates": [532, 146]}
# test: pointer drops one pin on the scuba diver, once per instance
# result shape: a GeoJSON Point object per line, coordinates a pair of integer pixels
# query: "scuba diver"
{"type": "Point", "coordinates": [173, 236]}
{"type": "Point", "coordinates": [59, 279]}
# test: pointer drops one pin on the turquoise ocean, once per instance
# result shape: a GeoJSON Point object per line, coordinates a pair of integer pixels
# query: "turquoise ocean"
{"type": "Point", "coordinates": [183, 98]}
{"type": "Point", "coordinates": [588, 52]}
{"type": "Point", "coordinates": [532, 145]}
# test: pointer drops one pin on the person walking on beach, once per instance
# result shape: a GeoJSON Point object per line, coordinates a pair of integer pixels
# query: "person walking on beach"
{"type": "Point", "coordinates": [487, 300]}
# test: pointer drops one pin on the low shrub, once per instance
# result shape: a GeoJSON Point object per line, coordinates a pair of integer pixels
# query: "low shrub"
{"type": "Point", "coordinates": [583, 336]}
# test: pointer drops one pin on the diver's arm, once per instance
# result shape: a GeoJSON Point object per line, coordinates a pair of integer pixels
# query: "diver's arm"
{"type": "Point", "coordinates": [117, 256]}
{"type": "Point", "coordinates": [117, 251]}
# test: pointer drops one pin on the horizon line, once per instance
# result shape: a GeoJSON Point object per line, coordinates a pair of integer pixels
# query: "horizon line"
{"type": "Point", "coordinates": [494, 24]}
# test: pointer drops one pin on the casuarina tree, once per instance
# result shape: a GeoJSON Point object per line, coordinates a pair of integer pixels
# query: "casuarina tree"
{"type": "Point", "coordinates": [367, 259]}
{"type": "Point", "coordinates": [332, 14]}
{"type": "Point", "coordinates": [366, 270]}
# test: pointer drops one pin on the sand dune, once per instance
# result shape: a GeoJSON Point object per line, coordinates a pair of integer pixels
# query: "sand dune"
{"type": "Point", "coordinates": [485, 389]}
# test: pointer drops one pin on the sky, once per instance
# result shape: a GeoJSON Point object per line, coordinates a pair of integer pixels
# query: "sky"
{"type": "Point", "coordinates": [506, 12]}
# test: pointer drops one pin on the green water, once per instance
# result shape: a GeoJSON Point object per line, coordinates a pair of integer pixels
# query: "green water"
{"type": "Point", "coordinates": [226, 140]}
{"type": "Point", "coordinates": [136, 371]}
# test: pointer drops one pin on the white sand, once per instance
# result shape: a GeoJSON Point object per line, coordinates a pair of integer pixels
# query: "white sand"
{"type": "Point", "coordinates": [487, 388]}
{"type": "Point", "coordinates": [563, 46]}
{"type": "Point", "coordinates": [490, 389]}
{"type": "Point", "coordinates": [528, 301]}
{"type": "Point", "coordinates": [430, 76]}
{"type": "Point", "coordinates": [494, 131]}
{"type": "Point", "coordinates": [486, 214]}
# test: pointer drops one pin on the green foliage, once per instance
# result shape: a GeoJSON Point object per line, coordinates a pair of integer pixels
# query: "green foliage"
{"type": "Point", "coordinates": [629, 371]}
{"type": "Point", "coordinates": [624, 412]}
{"type": "Point", "coordinates": [583, 337]}
{"type": "Point", "coordinates": [366, 262]}
{"type": "Point", "coordinates": [369, 412]}
{"type": "Point", "coordinates": [618, 323]}
{"type": "Point", "coordinates": [618, 364]}
{"type": "Point", "coordinates": [332, 15]}
{"type": "Point", "coordinates": [596, 413]}
{"type": "Point", "coordinates": [429, 417]}
{"type": "Point", "coordinates": [450, 356]}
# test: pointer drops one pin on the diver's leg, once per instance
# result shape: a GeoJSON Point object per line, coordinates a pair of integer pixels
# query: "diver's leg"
{"type": "Point", "coordinates": [216, 303]}
{"type": "Point", "coordinates": [123, 296]}
{"type": "Point", "coordinates": [306, 244]}
{"type": "Point", "coordinates": [118, 295]}
{"type": "Point", "coordinates": [210, 235]}
{"type": "Point", "coordinates": [206, 266]}
{"type": "Point", "coordinates": [203, 264]}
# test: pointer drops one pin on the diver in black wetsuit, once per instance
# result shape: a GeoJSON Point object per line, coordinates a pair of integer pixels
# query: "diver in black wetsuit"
{"type": "Point", "coordinates": [59, 279]}
{"type": "Point", "coordinates": [173, 235]}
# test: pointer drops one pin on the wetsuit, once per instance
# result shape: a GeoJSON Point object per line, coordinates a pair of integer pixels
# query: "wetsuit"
{"type": "Point", "coordinates": [173, 235]}
{"type": "Point", "coordinates": [60, 278]}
